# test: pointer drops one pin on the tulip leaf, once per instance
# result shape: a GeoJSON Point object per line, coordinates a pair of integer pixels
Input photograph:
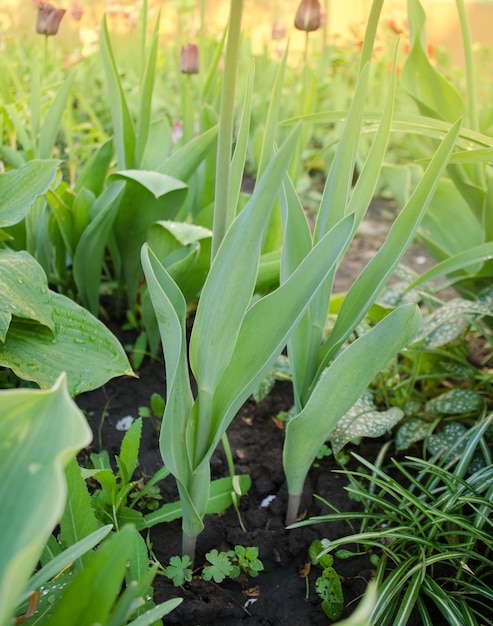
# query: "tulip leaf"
{"type": "Point", "coordinates": [51, 124]}
{"type": "Point", "coordinates": [183, 162]}
{"type": "Point", "coordinates": [88, 258]}
{"type": "Point", "coordinates": [123, 129]}
{"type": "Point", "coordinates": [433, 93]}
{"type": "Point", "coordinates": [20, 188]}
{"type": "Point", "coordinates": [340, 386]}
{"type": "Point", "coordinates": [268, 323]}
{"type": "Point", "coordinates": [369, 284]}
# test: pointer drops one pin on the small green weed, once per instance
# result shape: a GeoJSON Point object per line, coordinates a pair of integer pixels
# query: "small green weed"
{"type": "Point", "coordinates": [154, 411]}
{"type": "Point", "coordinates": [220, 565]}
{"type": "Point", "coordinates": [328, 584]}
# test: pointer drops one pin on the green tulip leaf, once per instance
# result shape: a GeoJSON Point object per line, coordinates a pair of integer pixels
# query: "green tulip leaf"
{"type": "Point", "coordinates": [20, 188]}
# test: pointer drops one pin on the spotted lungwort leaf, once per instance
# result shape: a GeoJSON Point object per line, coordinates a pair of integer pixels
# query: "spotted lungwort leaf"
{"type": "Point", "coordinates": [363, 420]}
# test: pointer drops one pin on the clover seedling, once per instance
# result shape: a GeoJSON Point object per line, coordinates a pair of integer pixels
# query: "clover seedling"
{"type": "Point", "coordinates": [220, 566]}
{"type": "Point", "coordinates": [179, 570]}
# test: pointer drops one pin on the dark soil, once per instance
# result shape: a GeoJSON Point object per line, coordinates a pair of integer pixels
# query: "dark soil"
{"type": "Point", "coordinates": [279, 595]}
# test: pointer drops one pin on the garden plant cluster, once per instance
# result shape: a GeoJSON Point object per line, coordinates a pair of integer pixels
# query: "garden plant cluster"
{"type": "Point", "coordinates": [205, 197]}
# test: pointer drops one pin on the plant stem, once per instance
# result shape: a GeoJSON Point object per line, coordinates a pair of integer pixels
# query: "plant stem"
{"type": "Point", "coordinates": [224, 215]}
{"type": "Point", "coordinates": [45, 57]}
{"type": "Point", "coordinates": [293, 508]}
{"type": "Point", "coordinates": [472, 105]}
{"type": "Point", "coordinates": [188, 110]}
{"type": "Point", "coordinates": [231, 468]}
{"type": "Point", "coordinates": [188, 546]}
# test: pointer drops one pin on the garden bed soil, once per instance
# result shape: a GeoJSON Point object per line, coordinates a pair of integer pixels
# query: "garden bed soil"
{"type": "Point", "coordinates": [282, 594]}
{"type": "Point", "coordinates": [279, 593]}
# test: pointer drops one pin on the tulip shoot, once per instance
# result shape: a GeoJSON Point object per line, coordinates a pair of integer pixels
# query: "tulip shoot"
{"type": "Point", "coordinates": [233, 343]}
{"type": "Point", "coordinates": [327, 379]}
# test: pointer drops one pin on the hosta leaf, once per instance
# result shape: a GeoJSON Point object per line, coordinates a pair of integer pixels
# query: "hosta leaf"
{"type": "Point", "coordinates": [20, 188]}
{"type": "Point", "coordinates": [411, 431]}
{"type": "Point", "coordinates": [455, 402]}
{"type": "Point", "coordinates": [363, 420]}
{"type": "Point", "coordinates": [24, 289]}
{"type": "Point", "coordinates": [32, 485]}
{"type": "Point", "coordinates": [81, 346]}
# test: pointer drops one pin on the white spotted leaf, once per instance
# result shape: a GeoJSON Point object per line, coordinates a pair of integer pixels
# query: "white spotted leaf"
{"type": "Point", "coordinates": [411, 431]}
{"type": "Point", "coordinates": [450, 320]}
{"type": "Point", "coordinates": [363, 420]}
{"type": "Point", "coordinates": [454, 402]}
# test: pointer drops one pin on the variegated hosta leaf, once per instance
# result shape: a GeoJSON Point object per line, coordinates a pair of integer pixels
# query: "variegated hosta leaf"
{"type": "Point", "coordinates": [448, 322]}
{"type": "Point", "coordinates": [454, 402]}
{"type": "Point", "coordinates": [81, 346]}
{"type": "Point", "coordinates": [452, 438]}
{"type": "Point", "coordinates": [411, 431]}
{"type": "Point", "coordinates": [363, 420]}
{"type": "Point", "coordinates": [24, 291]}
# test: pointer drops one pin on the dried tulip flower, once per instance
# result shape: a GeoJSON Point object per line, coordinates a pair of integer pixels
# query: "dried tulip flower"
{"type": "Point", "coordinates": [278, 31]}
{"type": "Point", "coordinates": [189, 59]}
{"type": "Point", "coordinates": [308, 15]}
{"type": "Point", "coordinates": [48, 19]}
{"type": "Point", "coordinates": [76, 12]}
